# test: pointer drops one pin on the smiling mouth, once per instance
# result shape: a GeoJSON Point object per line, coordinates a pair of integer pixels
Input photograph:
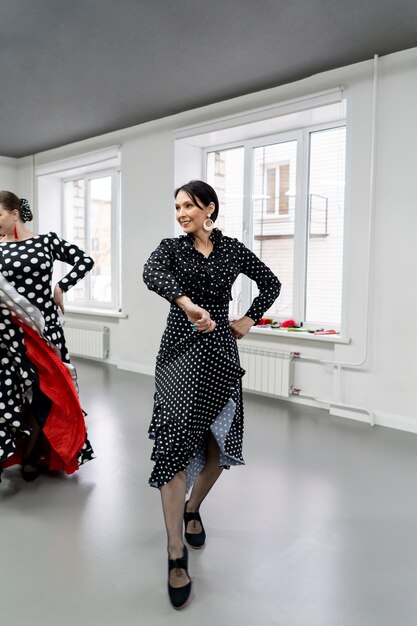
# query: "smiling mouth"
{"type": "Point", "coordinates": [185, 223]}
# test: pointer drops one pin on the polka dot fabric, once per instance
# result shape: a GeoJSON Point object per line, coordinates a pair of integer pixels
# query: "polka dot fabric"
{"type": "Point", "coordinates": [26, 295]}
{"type": "Point", "coordinates": [198, 375]}
{"type": "Point", "coordinates": [28, 265]}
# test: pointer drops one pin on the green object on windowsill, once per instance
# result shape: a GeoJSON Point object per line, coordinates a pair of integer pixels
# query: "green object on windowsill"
{"type": "Point", "coordinates": [293, 329]}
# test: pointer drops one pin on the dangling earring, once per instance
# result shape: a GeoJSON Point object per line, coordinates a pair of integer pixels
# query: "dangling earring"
{"type": "Point", "coordinates": [208, 223]}
{"type": "Point", "coordinates": [15, 232]}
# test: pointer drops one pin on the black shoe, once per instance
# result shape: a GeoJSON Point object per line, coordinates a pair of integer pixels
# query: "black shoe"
{"type": "Point", "coordinates": [29, 475]}
{"type": "Point", "coordinates": [195, 540]}
{"type": "Point", "coordinates": [179, 595]}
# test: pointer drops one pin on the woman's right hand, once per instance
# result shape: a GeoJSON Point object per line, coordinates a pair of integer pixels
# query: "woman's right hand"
{"type": "Point", "coordinates": [196, 315]}
{"type": "Point", "coordinates": [59, 297]}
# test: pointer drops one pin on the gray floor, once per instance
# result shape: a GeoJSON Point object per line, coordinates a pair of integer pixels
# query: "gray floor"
{"type": "Point", "coordinates": [318, 529]}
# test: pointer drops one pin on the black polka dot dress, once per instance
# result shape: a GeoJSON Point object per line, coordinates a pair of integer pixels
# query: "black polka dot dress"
{"type": "Point", "coordinates": [198, 375]}
{"type": "Point", "coordinates": [26, 295]}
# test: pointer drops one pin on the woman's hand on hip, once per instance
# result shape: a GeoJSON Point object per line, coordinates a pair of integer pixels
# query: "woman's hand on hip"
{"type": "Point", "coordinates": [59, 297]}
{"type": "Point", "coordinates": [198, 316]}
{"type": "Point", "coordinates": [242, 326]}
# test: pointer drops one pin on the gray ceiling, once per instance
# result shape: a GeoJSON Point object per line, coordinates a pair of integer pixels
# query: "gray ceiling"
{"type": "Point", "coordinates": [72, 69]}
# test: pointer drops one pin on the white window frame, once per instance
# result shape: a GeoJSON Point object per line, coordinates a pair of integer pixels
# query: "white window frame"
{"type": "Point", "coordinates": [89, 304]}
{"type": "Point", "coordinates": [301, 226]}
{"type": "Point", "coordinates": [49, 187]}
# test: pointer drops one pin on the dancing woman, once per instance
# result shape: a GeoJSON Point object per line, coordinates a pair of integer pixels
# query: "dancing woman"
{"type": "Point", "coordinates": [41, 421]}
{"type": "Point", "coordinates": [197, 422]}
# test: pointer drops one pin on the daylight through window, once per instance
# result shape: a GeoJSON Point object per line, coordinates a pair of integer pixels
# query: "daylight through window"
{"type": "Point", "coordinates": [291, 215]}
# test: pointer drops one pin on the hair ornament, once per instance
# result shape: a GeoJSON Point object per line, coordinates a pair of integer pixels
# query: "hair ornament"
{"type": "Point", "coordinates": [25, 212]}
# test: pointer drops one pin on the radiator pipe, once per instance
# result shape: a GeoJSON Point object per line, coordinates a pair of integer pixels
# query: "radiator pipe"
{"type": "Point", "coordinates": [359, 364]}
{"type": "Point", "coordinates": [329, 404]}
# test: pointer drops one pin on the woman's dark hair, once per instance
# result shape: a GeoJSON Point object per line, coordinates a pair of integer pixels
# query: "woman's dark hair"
{"type": "Point", "coordinates": [198, 190]}
{"type": "Point", "coordinates": [11, 202]}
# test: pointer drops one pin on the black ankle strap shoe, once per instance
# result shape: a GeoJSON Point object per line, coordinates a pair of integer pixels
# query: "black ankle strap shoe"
{"type": "Point", "coordinates": [179, 595]}
{"type": "Point", "coordinates": [195, 540]}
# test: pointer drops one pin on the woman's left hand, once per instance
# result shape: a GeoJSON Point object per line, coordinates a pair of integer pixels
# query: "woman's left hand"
{"type": "Point", "coordinates": [59, 297]}
{"type": "Point", "coordinates": [241, 327]}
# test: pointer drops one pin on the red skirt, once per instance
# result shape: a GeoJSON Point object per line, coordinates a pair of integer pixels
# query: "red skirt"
{"type": "Point", "coordinates": [64, 430]}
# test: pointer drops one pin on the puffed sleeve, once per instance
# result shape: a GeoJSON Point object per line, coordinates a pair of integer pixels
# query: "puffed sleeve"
{"type": "Point", "coordinates": [268, 284]}
{"type": "Point", "coordinates": [158, 272]}
{"type": "Point", "coordinates": [70, 253]}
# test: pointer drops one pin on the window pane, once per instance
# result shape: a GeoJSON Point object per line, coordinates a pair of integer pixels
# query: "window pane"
{"type": "Point", "coordinates": [273, 210]}
{"type": "Point", "coordinates": [75, 228]}
{"type": "Point", "coordinates": [100, 238]}
{"type": "Point", "coordinates": [225, 174]}
{"type": "Point", "coordinates": [325, 234]}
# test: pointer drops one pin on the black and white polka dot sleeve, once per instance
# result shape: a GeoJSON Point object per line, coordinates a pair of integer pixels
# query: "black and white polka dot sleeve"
{"type": "Point", "coordinates": [70, 253]}
{"type": "Point", "coordinates": [268, 284]}
{"type": "Point", "coordinates": [158, 272]}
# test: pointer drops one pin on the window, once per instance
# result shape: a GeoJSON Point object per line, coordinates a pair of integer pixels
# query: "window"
{"type": "Point", "coordinates": [86, 188]}
{"type": "Point", "coordinates": [326, 191]}
{"type": "Point", "coordinates": [229, 187]}
{"type": "Point", "coordinates": [89, 219]}
{"type": "Point", "coordinates": [273, 231]}
{"type": "Point", "coordinates": [283, 196]}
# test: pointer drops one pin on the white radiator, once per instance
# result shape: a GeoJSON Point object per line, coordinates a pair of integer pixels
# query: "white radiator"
{"type": "Point", "coordinates": [90, 341]}
{"type": "Point", "coordinates": [268, 371]}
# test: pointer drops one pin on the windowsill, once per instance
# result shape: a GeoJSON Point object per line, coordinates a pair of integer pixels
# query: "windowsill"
{"type": "Point", "coordinates": [95, 312]}
{"type": "Point", "coordinates": [298, 335]}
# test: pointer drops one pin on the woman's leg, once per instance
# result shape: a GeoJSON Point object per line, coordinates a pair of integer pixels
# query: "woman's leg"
{"type": "Point", "coordinates": [173, 498]}
{"type": "Point", "coordinates": [205, 481]}
{"type": "Point", "coordinates": [31, 443]}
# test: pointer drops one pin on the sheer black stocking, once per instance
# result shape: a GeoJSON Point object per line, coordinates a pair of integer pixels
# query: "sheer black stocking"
{"type": "Point", "coordinates": [31, 447]}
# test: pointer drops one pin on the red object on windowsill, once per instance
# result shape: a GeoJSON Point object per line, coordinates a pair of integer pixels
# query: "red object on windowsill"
{"type": "Point", "coordinates": [289, 324]}
{"type": "Point", "coordinates": [265, 321]}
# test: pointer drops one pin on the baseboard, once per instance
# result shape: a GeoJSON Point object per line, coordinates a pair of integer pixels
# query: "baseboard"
{"type": "Point", "coordinates": [388, 420]}
{"type": "Point", "coordinates": [400, 422]}
{"type": "Point", "coordinates": [306, 402]}
{"type": "Point", "coordinates": [107, 361]}
{"type": "Point", "coordinates": [139, 368]}
{"type": "Point", "coordinates": [350, 414]}
{"type": "Point", "coordinates": [325, 405]}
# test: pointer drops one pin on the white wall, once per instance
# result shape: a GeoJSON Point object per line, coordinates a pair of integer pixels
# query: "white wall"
{"type": "Point", "coordinates": [8, 174]}
{"type": "Point", "coordinates": [25, 181]}
{"type": "Point", "coordinates": [16, 176]}
{"type": "Point", "coordinates": [386, 384]}
{"type": "Point", "coordinates": [50, 217]}
{"type": "Point", "coordinates": [188, 163]}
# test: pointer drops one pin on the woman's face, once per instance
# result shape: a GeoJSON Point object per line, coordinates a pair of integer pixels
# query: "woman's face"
{"type": "Point", "coordinates": [188, 215]}
{"type": "Point", "coordinates": [7, 221]}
